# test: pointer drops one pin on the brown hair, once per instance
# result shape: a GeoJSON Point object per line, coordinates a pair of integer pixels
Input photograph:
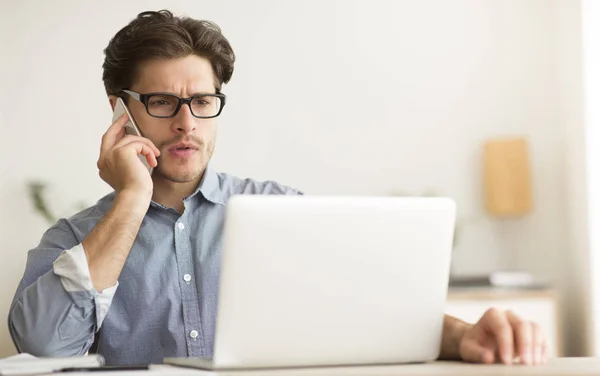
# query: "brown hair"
{"type": "Point", "coordinates": [160, 35]}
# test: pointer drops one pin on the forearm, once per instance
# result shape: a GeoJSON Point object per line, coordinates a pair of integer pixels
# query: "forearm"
{"type": "Point", "coordinates": [109, 243]}
{"type": "Point", "coordinates": [46, 320]}
{"type": "Point", "coordinates": [453, 332]}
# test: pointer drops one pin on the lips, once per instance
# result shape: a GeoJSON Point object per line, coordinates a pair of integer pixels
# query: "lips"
{"type": "Point", "coordinates": [183, 146]}
{"type": "Point", "coordinates": [183, 150]}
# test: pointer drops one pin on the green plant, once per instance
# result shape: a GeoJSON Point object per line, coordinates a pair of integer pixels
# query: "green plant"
{"type": "Point", "coordinates": [37, 194]}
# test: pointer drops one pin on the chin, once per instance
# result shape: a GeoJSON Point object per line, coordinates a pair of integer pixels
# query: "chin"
{"type": "Point", "coordinates": [183, 171]}
{"type": "Point", "coordinates": [180, 175]}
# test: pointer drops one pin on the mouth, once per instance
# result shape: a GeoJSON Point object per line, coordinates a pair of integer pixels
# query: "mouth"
{"type": "Point", "coordinates": [183, 150]}
{"type": "Point", "coordinates": [183, 147]}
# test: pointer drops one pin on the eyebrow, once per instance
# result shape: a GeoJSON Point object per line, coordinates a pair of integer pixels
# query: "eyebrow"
{"type": "Point", "coordinates": [204, 92]}
{"type": "Point", "coordinates": [217, 91]}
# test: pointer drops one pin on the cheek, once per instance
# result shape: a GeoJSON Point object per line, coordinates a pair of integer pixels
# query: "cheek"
{"type": "Point", "coordinates": [146, 123]}
{"type": "Point", "coordinates": [157, 138]}
{"type": "Point", "coordinates": [156, 131]}
{"type": "Point", "coordinates": [207, 132]}
{"type": "Point", "coordinates": [138, 111]}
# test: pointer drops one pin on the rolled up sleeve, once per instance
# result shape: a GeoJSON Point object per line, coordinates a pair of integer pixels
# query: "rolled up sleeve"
{"type": "Point", "coordinates": [56, 311]}
{"type": "Point", "coordinates": [46, 320]}
{"type": "Point", "coordinates": [74, 273]}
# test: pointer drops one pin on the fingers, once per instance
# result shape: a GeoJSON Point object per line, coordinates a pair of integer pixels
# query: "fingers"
{"type": "Point", "coordinates": [539, 344]}
{"type": "Point", "coordinates": [129, 139]}
{"type": "Point", "coordinates": [545, 352]}
{"type": "Point", "coordinates": [115, 132]}
{"type": "Point", "coordinates": [148, 152]}
{"type": "Point", "coordinates": [507, 335]}
{"type": "Point", "coordinates": [497, 323]}
{"type": "Point", "coordinates": [523, 338]}
{"type": "Point", "coordinates": [487, 356]}
{"type": "Point", "coordinates": [138, 148]}
{"type": "Point", "coordinates": [529, 339]}
{"type": "Point", "coordinates": [141, 145]}
{"type": "Point", "coordinates": [472, 351]}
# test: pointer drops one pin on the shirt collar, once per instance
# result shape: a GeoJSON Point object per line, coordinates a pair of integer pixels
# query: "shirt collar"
{"type": "Point", "coordinates": [209, 187]}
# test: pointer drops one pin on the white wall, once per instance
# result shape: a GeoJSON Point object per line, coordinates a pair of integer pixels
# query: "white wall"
{"type": "Point", "coordinates": [591, 61]}
{"type": "Point", "coordinates": [576, 257]}
{"type": "Point", "coordinates": [12, 256]}
{"type": "Point", "coordinates": [353, 97]}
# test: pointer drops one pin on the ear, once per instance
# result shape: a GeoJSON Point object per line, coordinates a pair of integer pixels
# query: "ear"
{"type": "Point", "coordinates": [112, 99]}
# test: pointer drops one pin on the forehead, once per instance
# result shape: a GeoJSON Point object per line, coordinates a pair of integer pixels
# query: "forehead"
{"type": "Point", "coordinates": [183, 76]}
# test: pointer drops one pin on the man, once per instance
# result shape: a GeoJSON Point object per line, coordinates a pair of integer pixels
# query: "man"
{"type": "Point", "coordinates": [137, 273]}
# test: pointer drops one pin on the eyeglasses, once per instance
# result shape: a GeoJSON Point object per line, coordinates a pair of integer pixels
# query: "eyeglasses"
{"type": "Point", "coordinates": [166, 105]}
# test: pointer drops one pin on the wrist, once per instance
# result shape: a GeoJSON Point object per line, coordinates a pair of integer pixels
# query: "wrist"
{"type": "Point", "coordinates": [453, 334]}
{"type": "Point", "coordinates": [133, 200]}
{"type": "Point", "coordinates": [459, 333]}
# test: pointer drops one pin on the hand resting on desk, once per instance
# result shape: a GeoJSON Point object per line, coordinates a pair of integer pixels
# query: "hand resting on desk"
{"type": "Point", "coordinates": [499, 336]}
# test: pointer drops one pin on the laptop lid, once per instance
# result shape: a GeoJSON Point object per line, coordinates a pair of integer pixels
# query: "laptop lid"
{"type": "Point", "coordinates": [316, 281]}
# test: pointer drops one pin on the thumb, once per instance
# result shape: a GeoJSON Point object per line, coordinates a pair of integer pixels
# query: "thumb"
{"type": "Point", "coordinates": [471, 351]}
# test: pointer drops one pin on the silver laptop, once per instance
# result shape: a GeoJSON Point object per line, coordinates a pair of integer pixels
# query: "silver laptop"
{"type": "Point", "coordinates": [323, 281]}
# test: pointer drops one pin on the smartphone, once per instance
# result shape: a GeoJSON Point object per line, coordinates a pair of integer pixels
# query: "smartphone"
{"type": "Point", "coordinates": [130, 127]}
{"type": "Point", "coordinates": [106, 368]}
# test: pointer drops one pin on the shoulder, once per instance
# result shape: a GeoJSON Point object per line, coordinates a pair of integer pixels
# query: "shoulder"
{"type": "Point", "coordinates": [74, 229]}
{"type": "Point", "coordinates": [232, 185]}
{"type": "Point", "coordinates": [63, 235]}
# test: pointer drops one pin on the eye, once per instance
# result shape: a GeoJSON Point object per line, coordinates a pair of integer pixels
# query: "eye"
{"type": "Point", "coordinates": [160, 102]}
{"type": "Point", "coordinates": [201, 102]}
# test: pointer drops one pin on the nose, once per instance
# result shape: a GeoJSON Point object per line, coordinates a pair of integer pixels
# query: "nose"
{"type": "Point", "coordinates": [184, 122]}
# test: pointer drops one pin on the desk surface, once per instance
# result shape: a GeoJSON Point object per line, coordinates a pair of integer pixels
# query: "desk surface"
{"type": "Point", "coordinates": [556, 367]}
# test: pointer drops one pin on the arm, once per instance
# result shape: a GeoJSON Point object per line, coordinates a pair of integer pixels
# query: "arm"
{"type": "Point", "coordinates": [452, 335]}
{"type": "Point", "coordinates": [57, 313]}
{"type": "Point", "coordinates": [108, 244]}
{"type": "Point", "coordinates": [49, 315]}
{"type": "Point", "coordinates": [46, 320]}
{"type": "Point", "coordinates": [57, 307]}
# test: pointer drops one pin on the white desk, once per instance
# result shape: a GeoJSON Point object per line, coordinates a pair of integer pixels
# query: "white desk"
{"type": "Point", "coordinates": [556, 367]}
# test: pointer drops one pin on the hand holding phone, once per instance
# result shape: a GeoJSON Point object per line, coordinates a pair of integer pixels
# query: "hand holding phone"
{"type": "Point", "coordinates": [130, 127]}
{"type": "Point", "coordinates": [120, 153]}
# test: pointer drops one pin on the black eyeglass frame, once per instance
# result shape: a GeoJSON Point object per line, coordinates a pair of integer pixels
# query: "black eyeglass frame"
{"type": "Point", "coordinates": [143, 98]}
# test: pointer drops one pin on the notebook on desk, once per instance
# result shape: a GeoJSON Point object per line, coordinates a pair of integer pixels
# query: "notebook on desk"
{"type": "Point", "coordinates": [27, 364]}
{"type": "Point", "coordinates": [319, 281]}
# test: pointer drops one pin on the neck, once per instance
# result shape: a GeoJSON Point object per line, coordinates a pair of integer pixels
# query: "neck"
{"type": "Point", "coordinates": [171, 194]}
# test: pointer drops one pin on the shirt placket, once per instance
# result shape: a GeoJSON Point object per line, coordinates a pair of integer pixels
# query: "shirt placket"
{"type": "Point", "coordinates": [193, 335]}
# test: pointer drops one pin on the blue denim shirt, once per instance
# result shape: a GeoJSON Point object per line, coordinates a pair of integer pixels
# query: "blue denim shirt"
{"type": "Point", "coordinates": [165, 304]}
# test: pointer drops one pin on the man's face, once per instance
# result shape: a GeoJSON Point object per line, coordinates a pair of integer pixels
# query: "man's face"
{"type": "Point", "coordinates": [184, 77]}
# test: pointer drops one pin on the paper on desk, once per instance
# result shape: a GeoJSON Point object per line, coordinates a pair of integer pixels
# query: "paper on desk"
{"type": "Point", "coordinates": [27, 364]}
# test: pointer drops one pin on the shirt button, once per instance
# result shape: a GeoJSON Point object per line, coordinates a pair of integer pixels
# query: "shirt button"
{"type": "Point", "coordinates": [194, 334]}
{"type": "Point", "coordinates": [181, 226]}
{"type": "Point", "coordinates": [187, 278]}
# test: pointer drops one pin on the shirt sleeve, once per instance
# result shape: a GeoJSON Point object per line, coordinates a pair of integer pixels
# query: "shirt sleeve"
{"type": "Point", "coordinates": [72, 268]}
{"type": "Point", "coordinates": [55, 310]}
